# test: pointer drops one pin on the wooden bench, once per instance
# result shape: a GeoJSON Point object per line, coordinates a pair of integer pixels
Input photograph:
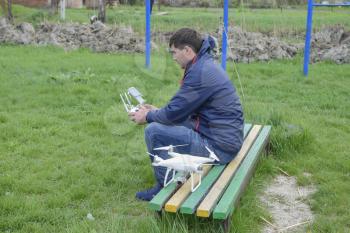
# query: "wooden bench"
{"type": "Point", "coordinates": [222, 185]}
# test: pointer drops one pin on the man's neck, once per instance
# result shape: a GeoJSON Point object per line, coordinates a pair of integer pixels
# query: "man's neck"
{"type": "Point", "coordinates": [190, 62]}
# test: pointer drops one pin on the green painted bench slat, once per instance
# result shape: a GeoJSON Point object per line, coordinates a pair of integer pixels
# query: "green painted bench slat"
{"type": "Point", "coordinates": [190, 204]}
{"type": "Point", "coordinates": [226, 204]}
{"type": "Point", "coordinates": [163, 196]}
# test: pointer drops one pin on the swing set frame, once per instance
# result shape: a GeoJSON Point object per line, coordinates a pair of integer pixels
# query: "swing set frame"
{"type": "Point", "coordinates": [148, 35]}
{"type": "Point", "coordinates": [307, 48]}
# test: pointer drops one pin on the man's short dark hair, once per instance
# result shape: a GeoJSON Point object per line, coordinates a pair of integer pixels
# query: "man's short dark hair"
{"type": "Point", "coordinates": [186, 36]}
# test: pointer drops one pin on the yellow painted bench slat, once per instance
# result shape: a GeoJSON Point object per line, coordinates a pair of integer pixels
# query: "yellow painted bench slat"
{"type": "Point", "coordinates": [180, 196]}
{"type": "Point", "coordinates": [207, 205]}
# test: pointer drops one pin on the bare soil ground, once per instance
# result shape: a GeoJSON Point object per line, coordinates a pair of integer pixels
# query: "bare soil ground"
{"type": "Point", "coordinates": [331, 43]}
{"type": "Point", "coordinates": [98, 37]}
{"type": "Point", "coordinates": [288, 205]}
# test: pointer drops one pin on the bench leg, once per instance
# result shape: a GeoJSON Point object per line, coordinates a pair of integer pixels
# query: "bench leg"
{"type": "Point", "coordinates": [225, 224]}
{"type": "Point", "coordinates": [159, 214]}
{"type": "Point", "coordinates": [268, 148]}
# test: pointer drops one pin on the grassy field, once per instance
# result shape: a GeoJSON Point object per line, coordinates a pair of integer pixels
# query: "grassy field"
{"type": "Point", "coordinates": [67, 148]}
{"type": "Point", "coordinates": [287, 22]}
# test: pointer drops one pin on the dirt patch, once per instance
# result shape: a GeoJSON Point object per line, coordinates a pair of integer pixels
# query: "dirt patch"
{"type": "Point", "coordinates": [331, 43]}
{"type": "Point", "coordinates": [96, 36]}
{"type": "Point", "coordinates": [23, 33]}
{"type": "Point", "coordinates": [246, 46]}
{"type": "Point", "coordinates": [254, 46]}
{"type": "Point", "coordinates": [288, 205]}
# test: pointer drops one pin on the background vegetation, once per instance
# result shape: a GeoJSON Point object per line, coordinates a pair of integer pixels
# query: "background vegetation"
{"type": "Point", "coordinates": [288, 23]}
{"type": "Point", "coordinates": [208, 3]}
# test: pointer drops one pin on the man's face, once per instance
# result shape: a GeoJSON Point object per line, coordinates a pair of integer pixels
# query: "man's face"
{"type": "Point", "coordinates": [181, 56]}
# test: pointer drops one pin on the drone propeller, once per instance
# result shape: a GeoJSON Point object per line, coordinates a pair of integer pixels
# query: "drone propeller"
{"type": "Point", "coordinates": [156, 159]}
{"type": "Point", "coordinates": [212, 154]}
{"type": "Point", "coordinates": [210, 151]}
{"type": "Point", "coordinates": [169, 147]}
{"type": "Point", "coordinates": [151, 154]}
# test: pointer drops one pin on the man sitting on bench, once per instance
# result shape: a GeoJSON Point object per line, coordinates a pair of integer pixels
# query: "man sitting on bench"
{"type": "Point", "coordinates": [205, 111]}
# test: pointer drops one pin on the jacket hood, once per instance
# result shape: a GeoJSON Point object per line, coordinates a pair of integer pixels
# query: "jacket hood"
{"type": "Point", "coordinates": [209, 44]}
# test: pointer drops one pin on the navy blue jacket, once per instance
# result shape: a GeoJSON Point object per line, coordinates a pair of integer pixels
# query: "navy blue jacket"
{"type": "Point", "coordinates": [208, 98]}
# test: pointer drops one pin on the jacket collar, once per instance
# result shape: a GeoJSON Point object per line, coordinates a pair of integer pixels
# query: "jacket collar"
{"type": "Point", "coordinates": [207, 45]}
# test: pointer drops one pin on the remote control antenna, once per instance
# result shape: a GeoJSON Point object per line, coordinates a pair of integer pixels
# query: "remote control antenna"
{"type": "Point", "coordinates": [125, 105]}
{"type": "Point", "coordinates": [127, 99]}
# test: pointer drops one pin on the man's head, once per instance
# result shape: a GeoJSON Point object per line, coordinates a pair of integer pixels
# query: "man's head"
{"type": "Point", "coordinates": [184, 45]}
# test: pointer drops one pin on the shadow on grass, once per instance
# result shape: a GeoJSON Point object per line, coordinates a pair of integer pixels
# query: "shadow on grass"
{"type": "Point", "coordinates": [167, 222]}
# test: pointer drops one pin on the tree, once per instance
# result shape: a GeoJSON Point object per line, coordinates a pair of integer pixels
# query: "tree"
{"type": "Point", "coordinates": [101, 11]}
{"type": "Point", "coordinates": [6, 6]}
{"type": "Point", "coordinates": [3, 6]}
{"type": "Point", "coordinates": [279, 4]}
{"type": "Point", "coordinates": [54, 6]}
{"type": "Point", "coordinates": [110, 3]}
{"type": "Point", "coordinates": [9, 10]}
{"type": "Point", "coordinates": [161, 2]}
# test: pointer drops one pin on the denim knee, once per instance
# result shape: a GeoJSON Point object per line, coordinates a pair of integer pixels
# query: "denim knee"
{"type": "Point", "coordinates": [152, 129]}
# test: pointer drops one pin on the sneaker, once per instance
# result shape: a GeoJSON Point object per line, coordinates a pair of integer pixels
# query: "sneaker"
{"type": "Point", "coordinates": [148, 194]}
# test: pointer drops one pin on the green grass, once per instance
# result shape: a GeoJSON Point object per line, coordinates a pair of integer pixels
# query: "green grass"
{"type": "Point", "coordinates": [67, 148]}
{"type": "Point", "coordinates": [287, 22]}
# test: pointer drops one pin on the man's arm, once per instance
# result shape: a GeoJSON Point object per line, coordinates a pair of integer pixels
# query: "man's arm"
{"type": "Point", "coordinates": [186, 101]}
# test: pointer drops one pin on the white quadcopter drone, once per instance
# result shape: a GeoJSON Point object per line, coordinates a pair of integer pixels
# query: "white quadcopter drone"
{"type": "Point", "coordinates": [184, 163]}
{"type": "Point", "coordinates": [126, 99]}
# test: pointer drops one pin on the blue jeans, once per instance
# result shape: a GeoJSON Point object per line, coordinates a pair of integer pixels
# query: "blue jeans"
{"type": "Point", "coordinates": [157, 135]}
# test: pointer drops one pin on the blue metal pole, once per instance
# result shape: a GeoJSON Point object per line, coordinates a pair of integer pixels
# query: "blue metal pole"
{"type": "Point", "coordinates": [148, 33]}
{"type": "Point", "coordinates": [308, 37]}
{"type": "Point", "coordinates": [224, 36]}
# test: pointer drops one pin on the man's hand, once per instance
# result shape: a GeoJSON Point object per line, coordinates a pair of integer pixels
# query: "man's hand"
{"type": "Point", "coordinates": [139, 117]}
{"type": "Point", "coordinates": [149, 106]}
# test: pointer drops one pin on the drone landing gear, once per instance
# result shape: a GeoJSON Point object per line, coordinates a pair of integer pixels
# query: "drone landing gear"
{"type": "Point", "coordinates": [199, 183]}
{"type": "Point", "coordinates": [166, 177]}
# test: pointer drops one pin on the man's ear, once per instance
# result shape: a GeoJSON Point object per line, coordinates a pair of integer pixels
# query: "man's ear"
{"type": "Point", "coordinates": [188, 48]}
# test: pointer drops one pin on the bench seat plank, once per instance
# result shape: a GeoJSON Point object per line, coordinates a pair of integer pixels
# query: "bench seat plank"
{"type": "Point", "coordinates": [207, 205]}
{"type": "Point", "coordinates": [182, 193]}
{"type": "Point", "coordinates": [158, 201]}
{"type": "Point", "coordinates": [225, 207]}
{"type": "Point", "coordinates": [191, 203]}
